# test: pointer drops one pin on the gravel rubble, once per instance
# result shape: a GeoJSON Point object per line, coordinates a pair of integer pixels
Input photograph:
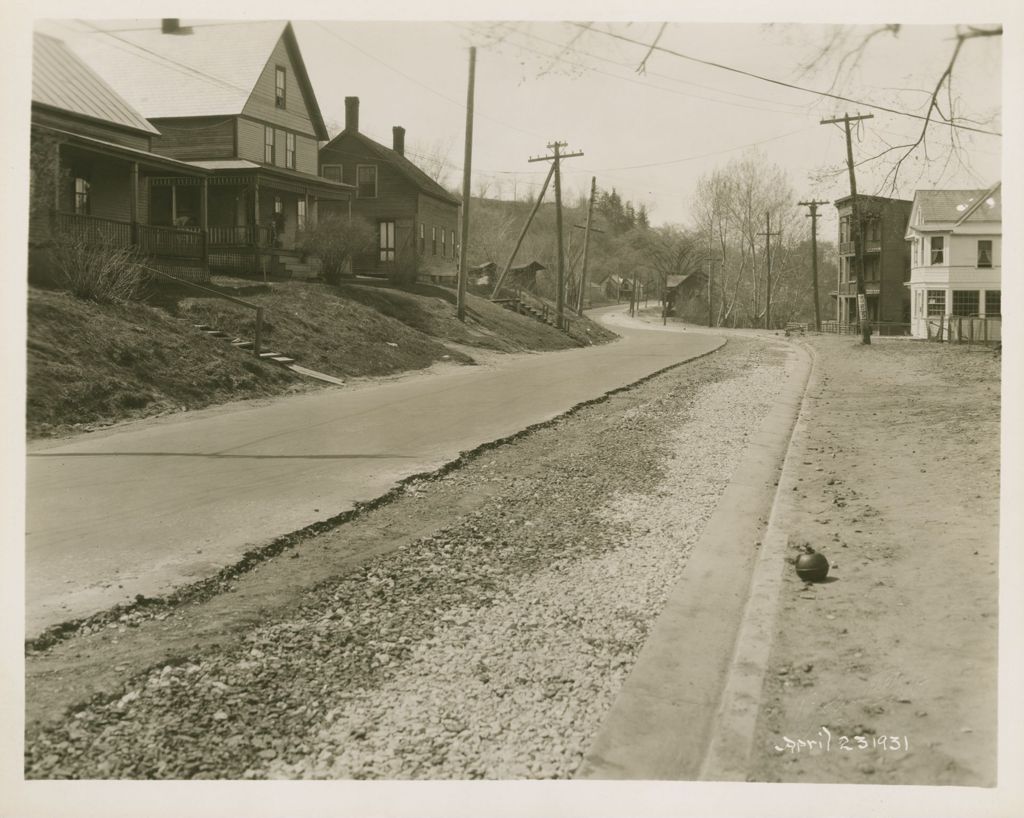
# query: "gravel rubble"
{"type": "Point", "coordinates": [491, 648]}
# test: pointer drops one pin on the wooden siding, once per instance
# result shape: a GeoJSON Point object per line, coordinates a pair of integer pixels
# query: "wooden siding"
{"type": "Point", "coordinates": [396, 195]}
{"type": "Point", "coordinates": [109, 186]}
{"type": "Point", "coordinates": [250, 139]}
{"type": "Point", "coordinates": [195, 138]}
{"type": "Point", "coordinates": [86, 127]}
{"type": "Point", "coordinates": [306, 154]}
{"type": "Point", "coordinates": [433, 213]}
{"type": "Point", "coordinates": [261, 106]}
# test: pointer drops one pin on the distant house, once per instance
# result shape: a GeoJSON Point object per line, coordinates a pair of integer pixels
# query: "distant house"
{"type": "Point", "coordinates": [92, 166]}
{"type": "Point", "coordinates": [416, 219]}
{"type": "Point", "coordinates": [955, 241]}
{"type": "Point", "coordinates": [234, 102]}
{"type": "Point", "coordinates": [886, 260]}
{"type": "Point", "coordinates": [678, 288]}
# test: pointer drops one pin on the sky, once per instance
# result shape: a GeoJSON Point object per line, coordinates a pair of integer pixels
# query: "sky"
{"type": "Point", "coordinates": [650, 133]}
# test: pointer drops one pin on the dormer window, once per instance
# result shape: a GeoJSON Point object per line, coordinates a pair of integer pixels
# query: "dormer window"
{"type": "Point", "coordinates": [279, 85]}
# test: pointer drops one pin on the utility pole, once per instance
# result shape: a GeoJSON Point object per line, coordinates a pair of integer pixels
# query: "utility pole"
{"type": "Point", "coordinates": [466, 165]}
{"type": "Point", "coordinates": [522, 234]}
{"type": "Point", "coordinates": [858, 233]}
{"type": "Point", "coordinates": [813, 216]}
{"type": "Point", "coordinates": [586, 245]}
{"type": "Point", "coordinates": [557, 158]}
{"type": "Point", "coordinates": [768, 252]}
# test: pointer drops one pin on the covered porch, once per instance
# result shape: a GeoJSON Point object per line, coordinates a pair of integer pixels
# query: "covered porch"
{"type": "Point", "coordinates": [255, 216]}
{"type": "Point", "coordinates": [100, 196]}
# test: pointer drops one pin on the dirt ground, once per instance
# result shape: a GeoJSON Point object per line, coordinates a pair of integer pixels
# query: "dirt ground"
{"type": "Point", "coordinates": [896, 468]}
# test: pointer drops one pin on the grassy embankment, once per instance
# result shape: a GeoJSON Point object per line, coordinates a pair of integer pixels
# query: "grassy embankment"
{"type": "Point", "coordinates": [91, 365]}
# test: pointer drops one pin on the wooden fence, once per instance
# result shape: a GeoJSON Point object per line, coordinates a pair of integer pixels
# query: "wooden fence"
{"type": "Point", "coordinates": [965, 329]}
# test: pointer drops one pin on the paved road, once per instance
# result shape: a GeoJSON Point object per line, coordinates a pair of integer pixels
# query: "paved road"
{"type": "Point", "coordinates": [166, 502]}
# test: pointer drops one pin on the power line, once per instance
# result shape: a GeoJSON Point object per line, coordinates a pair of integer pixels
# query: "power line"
{"type": "Point", "coordinates": [705, 155]}
{"type": "Point", "coordinates": [784, 84]}
{"type": "Point", "coordinates": [422, 84]}
{"type": "Point", "coordinates": [644, 84]}
{"type": "Point", "coordinates": [802, 109]}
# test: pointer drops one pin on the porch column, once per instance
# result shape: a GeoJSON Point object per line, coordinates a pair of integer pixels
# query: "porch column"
{"type": "Point", "coordinates": [305, 194]}
{"type": "Point", "coordinates": [174, 204]}
{"type": "Point", "coordinates": [203, 218]}
{"type": "Point", "coordinates": [133, 202]}
{"type": "Point", "coordinates": [56, 176]}
{"type": "Point", "coordinates": [203, 225]}
{"type": "Point", "coordinates": [255, 209]}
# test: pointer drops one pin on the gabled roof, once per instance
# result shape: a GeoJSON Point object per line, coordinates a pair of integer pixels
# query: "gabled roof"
{"type": "Point", "coordinates": [62, 81]}
{"type": "Point", "coordinates": [400, 163]}
{"type": "Point", "coordinates": [210, 71]}
{"type": "Point", "coordinates": [946, 209]}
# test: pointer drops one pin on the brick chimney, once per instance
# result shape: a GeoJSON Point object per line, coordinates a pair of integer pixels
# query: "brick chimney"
{"type": "Point", "coordinates": [398, 139]}
{"type": "Point", "coordinates": [170, 25]}
{"type": "Point", "coordinates": [352, 114]}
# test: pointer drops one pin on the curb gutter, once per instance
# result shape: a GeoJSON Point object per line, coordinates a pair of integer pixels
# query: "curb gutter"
{"type": "Point", "coordinates": [665, 718]}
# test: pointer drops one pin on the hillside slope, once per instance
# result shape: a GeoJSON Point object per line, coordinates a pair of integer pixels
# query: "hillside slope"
{"type": "Point", "coordinates": [91, 364]}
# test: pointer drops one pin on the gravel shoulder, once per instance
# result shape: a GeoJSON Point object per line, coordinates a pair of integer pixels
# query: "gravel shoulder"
{"type": "Point", "coordinates": [478, 626]}
{"type": "Point", "coordinates": [894, 476]}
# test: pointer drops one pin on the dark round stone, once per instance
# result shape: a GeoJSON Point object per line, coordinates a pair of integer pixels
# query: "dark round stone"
{"type": "Point", "coordinates": [812, 567]}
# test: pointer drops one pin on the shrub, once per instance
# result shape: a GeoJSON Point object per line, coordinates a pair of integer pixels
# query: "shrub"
{"type": "Point", "coordinates": [96, 271]}
{"type": "Point", "coordinates": [335, 240]}
{"type": "Point", "coordinates": [405, 268]}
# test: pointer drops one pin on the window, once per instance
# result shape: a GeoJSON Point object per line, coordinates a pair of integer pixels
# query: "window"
{"type": "Point", "coordinates": [993, 303]}
{"type": "Point", "coordinates": [332, 172]}
{"type": "Point", "coordinates": [289, 150]}
{"type": "Point", "coordinates": [423, 241]}
{"type": "Point", "coordinates": [444, 245]}
{"type": "Point", "coordinates": [387, 241]}
{"type": "Point", "coordinates": [366, 181]}
{"type": "Point", "coordinates": [81, 196]}
{"type": "Point", "coordinates": [433, 241]}
{"type": "Point", "coordinates": [844, 229]}
{"type": "Point", "coordinates": [984, 252]}
{"type": "Point", "coordinates": [279, 83]}
{"type": "Point", "coordinates": [874, 230]}
{"type": "Point", "coordinates": [454, 252]}
{"type": "Point", "coordinates": [871, 269]}
{"type": "Point", "coordinates": [936, 303]}
{"type": "Point", "coordinates": [301, 221]}
{"type": "Point", "coordinates": [937, 248]}
{"type": "Point", "coordinates": [278, 206]}
{"type": "Point", "coordinates": [268, 144]}
{"type": "Point", "coordinates": [966, 302]}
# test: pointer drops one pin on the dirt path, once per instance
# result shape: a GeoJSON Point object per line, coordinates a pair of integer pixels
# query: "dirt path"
{"type": "Point", "coordinates": [896, 467]}
{"type": "Point", "coordinates": [478, 626]}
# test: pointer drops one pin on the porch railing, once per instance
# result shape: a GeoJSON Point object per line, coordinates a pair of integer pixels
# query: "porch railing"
{"type": "Point", "coordinates": [151, 240]}
{"type": "Point", "coordinates": [170, 241]}
{"type": "Point", "coordinates": [246, 235]}
{"type": "Point", "coordinates": [93, 230]}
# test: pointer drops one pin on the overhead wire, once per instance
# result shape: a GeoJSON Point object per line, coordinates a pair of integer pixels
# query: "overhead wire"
{"type": "Point", "coordinates": [783, 83]}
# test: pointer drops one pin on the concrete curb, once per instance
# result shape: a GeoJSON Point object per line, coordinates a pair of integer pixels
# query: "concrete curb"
{"type": "Point", "coordinates": [664, 719]}
{"type": "Point", "coordinates": [732, 734]}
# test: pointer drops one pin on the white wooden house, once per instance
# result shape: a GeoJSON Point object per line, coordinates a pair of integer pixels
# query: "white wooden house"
{"type": "Point", "coordinates": [955, 260]}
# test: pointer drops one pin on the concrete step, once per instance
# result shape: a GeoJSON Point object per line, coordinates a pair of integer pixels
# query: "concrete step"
{"type": "Point", "coordinates": [238, 342]}
{"type": "Point", "coordinates": [282, 359]}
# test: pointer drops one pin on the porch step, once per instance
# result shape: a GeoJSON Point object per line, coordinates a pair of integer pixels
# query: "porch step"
{"type": "Point", "coordinates": [275, 357]}
{"type": "Point", "coordinates": [312, 373]}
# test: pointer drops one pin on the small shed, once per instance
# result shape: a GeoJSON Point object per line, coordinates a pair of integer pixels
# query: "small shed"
{"type": "Point", "coordinates": [525, 275]}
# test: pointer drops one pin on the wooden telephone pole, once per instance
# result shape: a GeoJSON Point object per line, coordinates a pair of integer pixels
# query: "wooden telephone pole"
{"type": "Point", "coordinates": [557, 158]}
{"type": "Point", "coordinates": [768, 252]}
{"type": "Point", "coordinates": [586, 246]}
{"type": "Point", "coordinates": [467, 163]}
{"type": "Point", "coordinates": [522, 234]}
{"type": "Point", "coordinates": [813, 216]}
{"type": "Point", "coordinates": [858, 233]}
